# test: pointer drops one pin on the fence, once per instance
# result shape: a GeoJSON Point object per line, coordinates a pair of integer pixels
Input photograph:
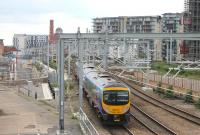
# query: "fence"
{"type": "Point", "coordinates": [179, 82]}
{"type": "Point", "coordinates": [86, 125]}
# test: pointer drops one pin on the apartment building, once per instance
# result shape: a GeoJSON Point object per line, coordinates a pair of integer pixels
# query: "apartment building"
{"type": "Point", "coordinates": [19, 43]}
{"type": "Point", "coordinates": [30, 44]}
{"type": "Point", "coordinates": [191, 49]}
{"type": "Point", "coordinates": [132, 24]}
{"type": "Point", "coordinates": [127, 24]}
{"type": "Point", "coordinates": [172, 23]}
{"type": "Point", "coordinates": [36, 44]}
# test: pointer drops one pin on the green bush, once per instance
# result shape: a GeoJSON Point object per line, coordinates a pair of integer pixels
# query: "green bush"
{"type": "Point", "coordinates": [198, 104]}
{"type": "Point", "coordinates": [53, 64]}
{"type": "Point", "coordinates": [54, 85]}
{"type": "Point", "coordinates": [154, 89]}
{"type": "Point", "coordinates": [169, 93]}
{"type": "Point", "coordinates": [71, 86]}
{"type": "Point", "coordinates": [38, 66]}
{"type": "Point", "coordinates": [159, 90]}
{"type": "Point", "coordinates": [188, 97]}
{"type": "Point", "coordinates": [68, 86]}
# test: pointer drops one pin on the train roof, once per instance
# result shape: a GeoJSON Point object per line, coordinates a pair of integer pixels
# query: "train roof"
{"type": "Point", "coordinates": [100, 79]}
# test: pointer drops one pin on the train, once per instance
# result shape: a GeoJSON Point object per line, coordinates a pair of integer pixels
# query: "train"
{"type": "Point", "coordinates": [109, 97]}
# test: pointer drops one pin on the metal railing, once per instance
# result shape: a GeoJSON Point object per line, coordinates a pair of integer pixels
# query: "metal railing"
{"type": "Point", "coordinates": [87, 127]}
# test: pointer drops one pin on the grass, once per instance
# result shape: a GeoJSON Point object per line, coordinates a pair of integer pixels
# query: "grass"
{"type": "Point", "coordinates": [163, 68]}
{"type": "Point", "coordinates": [68, 86]}
{"type": "Point", "coordinates": [198, 104]}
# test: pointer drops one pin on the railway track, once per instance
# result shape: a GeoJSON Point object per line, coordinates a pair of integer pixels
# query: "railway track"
{"type": "Point", "coordinates": [120, 130]}
{"type": "Point", "coordinates": [128, 130]}
{"type": "Point", "coordinates": [172, 109]}
{"type": "Point", "coordinates": [156, 102]}
{"type": "Point", "coordinates": [149, 122]}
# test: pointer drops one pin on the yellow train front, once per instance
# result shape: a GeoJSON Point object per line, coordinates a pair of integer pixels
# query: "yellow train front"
{"type": "Point", "coordinates": [110, 98]}
{"type": "Point", "coordinates": [116, 104]}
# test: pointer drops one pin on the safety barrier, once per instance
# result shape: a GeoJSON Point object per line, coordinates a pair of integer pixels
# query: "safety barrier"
{"type": "Point", "coordinates": [179, 82]}
{"type": "Point", "coordinates": [86, 126]}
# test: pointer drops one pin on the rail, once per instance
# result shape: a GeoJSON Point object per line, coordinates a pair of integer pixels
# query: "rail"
{"type": "Point", "coordinates": [128, 130]}
{"type": "Point", "coordinates": [172, 109]}
{"type": "Point", "coordinates": [87, 127]}
{"type": "Point", "coordinates": [155, 121]}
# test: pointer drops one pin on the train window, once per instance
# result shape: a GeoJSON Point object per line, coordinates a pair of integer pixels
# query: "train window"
{"type": "Point", "coordinates": [116, 97]}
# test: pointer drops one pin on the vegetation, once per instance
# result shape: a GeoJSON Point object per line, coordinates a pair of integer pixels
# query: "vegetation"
{"type": "Point", "coordinates": [169, 93]}
{"type": "Point", "coordinates": [68, 86]}
{"type": "Point", "coordinates": [188, 97]}
{"type": "Point", "coordinates": [38, 66]}
{"type": "Point", "coordinates": [190, 74]}
{"type": "Point", "coordinates": [53, 64]}
{"type": "Point", "coordinates": [198, 104]}
{"type": "Point", "coordinates": [158, 89]}
{"type": "Point", "coordinates": [163, 68]}
{"type": "Point", "coordinates": [54, 85]}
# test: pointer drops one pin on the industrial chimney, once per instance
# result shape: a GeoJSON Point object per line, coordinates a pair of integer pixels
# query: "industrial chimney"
{"type": "Point", "coordinates": [51, 33]}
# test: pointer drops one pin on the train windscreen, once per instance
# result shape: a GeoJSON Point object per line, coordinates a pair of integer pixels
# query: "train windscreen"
{"type": "Point", "coordinates": [119, 97]}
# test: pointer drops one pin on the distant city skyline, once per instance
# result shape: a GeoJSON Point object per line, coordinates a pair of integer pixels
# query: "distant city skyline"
{"type": "Point", "coordinates": [32, 16]}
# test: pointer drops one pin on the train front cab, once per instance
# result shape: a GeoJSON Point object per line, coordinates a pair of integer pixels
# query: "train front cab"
{"type": "Point", "coordinates": [116, 105]}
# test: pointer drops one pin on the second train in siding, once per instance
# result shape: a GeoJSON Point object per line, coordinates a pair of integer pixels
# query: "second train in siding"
{"type": "Point", "coordinates": [109, 98]}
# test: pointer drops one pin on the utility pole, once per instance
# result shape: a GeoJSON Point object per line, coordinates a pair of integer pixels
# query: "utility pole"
{"type": "Point", "coordinates": [80, 68]}
{"type": "Point", "coordinates": [170, 51]}
{"type": "Point", "coordinates": [125, 43]}
{"type": "Point", "coordinates": [105, 62]}
{"type": "Point", "coordinates": [88, 51]}
{"type": "Point", "coordinates": [148, 63]}
{"type": "Point", "coordinates": [167, 55]}
{"type": "Point", "coordinates": [69, 57]}
{"type": "Point", "coordinates": [61, 84]}
{"type": "Point", "coordinates": [48, 55]}
{"type": "Point", "coordinates": [126, 51]}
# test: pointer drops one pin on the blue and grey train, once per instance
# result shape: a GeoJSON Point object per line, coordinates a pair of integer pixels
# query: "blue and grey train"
{"type": "Point", "coordinates": [110, 98]}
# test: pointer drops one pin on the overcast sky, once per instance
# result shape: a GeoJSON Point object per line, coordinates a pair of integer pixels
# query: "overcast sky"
{"type": "Point", "coordinates": [32, 16]}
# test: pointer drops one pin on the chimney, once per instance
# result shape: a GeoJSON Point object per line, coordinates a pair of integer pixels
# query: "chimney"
{"type": "Point", "coordinates": [51, 32]}
{"type": "Point", "coordinates": [1, 47]}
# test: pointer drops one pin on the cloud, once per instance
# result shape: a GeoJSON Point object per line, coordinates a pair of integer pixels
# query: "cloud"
{"type": "Point", "coordinates": [133, 7]}
{"type": "Point", "coordinates": [68, 22]}
{"type": "Point", "coordinates": [32, 16]}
